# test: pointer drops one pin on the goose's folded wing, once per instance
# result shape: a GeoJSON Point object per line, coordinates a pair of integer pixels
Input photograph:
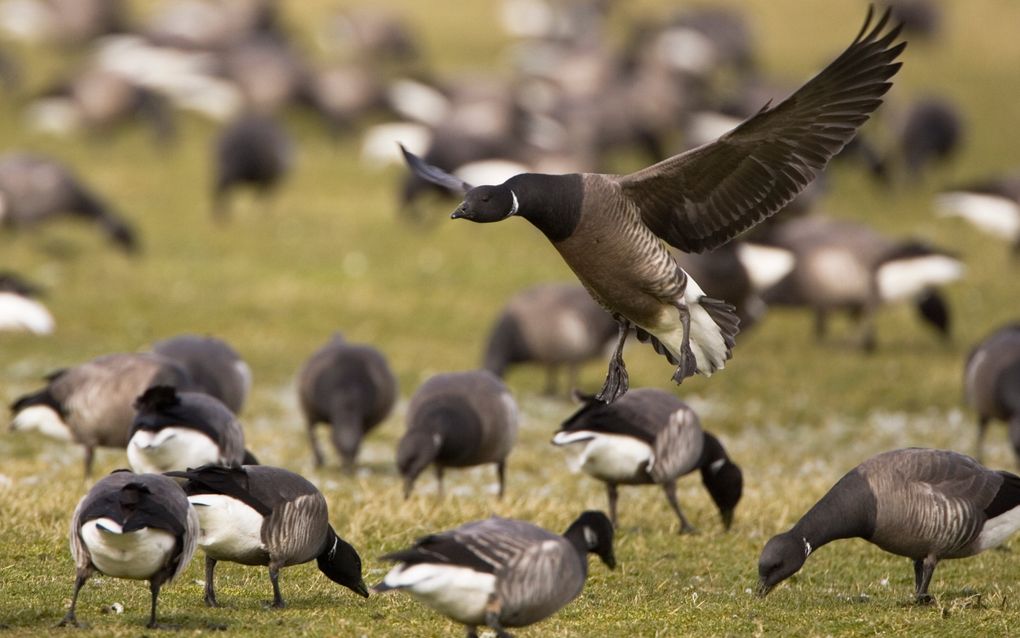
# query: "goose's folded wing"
{"type": "Point", "coordinates": [701, 199]}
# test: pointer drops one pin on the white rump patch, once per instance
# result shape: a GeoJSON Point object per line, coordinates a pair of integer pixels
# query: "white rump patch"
{"type": "Point", "coordinates": [229, 528]}
{"type": "Point", "coordinates": [686, 50]}
{"type": "Point", "coordinates": [992, 214]}
{"type": "Point", "coordinates": [765, 265]}
{"type": "Point", "coordinates": [489, 172]}
{"type": "Point", "coordinates": [418, 101]}
{"type": "Point", "coordinates": [138, 554]}
{"type": "Point", "coordinates": [907, 278]}
{"type": "Point", "coordinates": [379, 143]}
{"type": "Point", "coordinates": [997, 530]}
{"type": "Point", "coordinates": [608, 457]}
{"type": "Point", "coordinates": [458, 592]}
{"type": "Point", "coordinates": [172, 448]}
{"type": "Point", "coordinates": [708, 126]}
{"type": "Point", "coordinates": [19, 313]}
{"type": "Point", "coordinates": [44, 420]}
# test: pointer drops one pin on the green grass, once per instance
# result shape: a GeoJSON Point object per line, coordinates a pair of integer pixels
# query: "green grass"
{"type": "Point", "coordinates": [329, 255]}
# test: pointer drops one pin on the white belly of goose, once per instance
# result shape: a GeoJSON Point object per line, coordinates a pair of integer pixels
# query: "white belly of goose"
{"type": "Point", "coordinates": [137, 554]}
{"type": "Point", "coordinates": [172, 448]}
{"type": "Point", "coordinates": [608, 457]}
{"type": "Point", "coordinates": [460, 593]}
{"type": "Point", "coordinates": [229, 529]}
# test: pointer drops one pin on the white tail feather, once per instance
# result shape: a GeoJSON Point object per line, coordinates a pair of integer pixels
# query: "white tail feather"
{"type": "Point", "coordinates": [765, 265]}
{"type": "Point", "coordinates": [19, 313]}
{"type": "Point", "coordinates": [907, 278]}
{"type": "Point", "coordinates": [992, 214]}
{"type": "Point", "coordinates": [379, 143]}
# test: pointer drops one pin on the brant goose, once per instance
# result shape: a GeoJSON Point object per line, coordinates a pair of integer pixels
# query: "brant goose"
{"type": "Point", "coordinates": [92, 403]}
{"type": "Point", "coordinates": [550, 324]}
{"type": "Point", "coordinates": [137, 526]}
{"type": "Point", "coordinates": [34, 189]}
{"type": "Point", "coordinates": [846, 266]}
{"type": "Point", "coordinates": [18, 310]}
{"type": "Point", "coordinates": [175, 431]}
{"type": "Point", "coordinates": [650, 437]}
{"type": "Point", "coordinates": [923, 504]}
{"type": "Point", "coordinates": [254, 150]}
{"type": "Point", "coordinates": [350, 387]}
{"type": "Point", "coordinates": [992, 205]}
{"type": "Point", "coordinates": [932, 132]}
{"type": "Point", "coordinates": [501, 572]}
{"type": "Point", "coordinates": [991, 381]}
{"type": "Point", "coordinates": [458, 419]}
{"type": "Point", "coordinates": [261, 515]}
{"type": "Point", "coordinates": [608, 227]}
{"type": "Point", "coordinates": [214, 367]}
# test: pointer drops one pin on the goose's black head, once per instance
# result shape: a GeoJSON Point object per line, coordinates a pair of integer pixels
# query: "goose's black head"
{"type": "Point", "coordinates": [415, 452]}
{"type": "Point", "coordinates": [595, 533]}
{"type": "Point", "coordinates": [782, 557]}
{"type": "Point", "coordinates": [341, 563]}
{"type": "Point", "coordinates": [484, 204]}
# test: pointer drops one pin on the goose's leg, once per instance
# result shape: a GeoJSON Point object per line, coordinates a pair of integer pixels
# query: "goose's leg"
{"type": "Point", "coordinates": [154, 589]}
{"type": "Point", "coordinates": [210, 589]}
{"type": "Point", "coordinates": [613, 495]}
{"type": "Point", "coordinates": [316, 450]}
{"type": "Point", "coordinates": [439, 479]}
{"type": "Point", "coordinates": [979, 445]}
{"type": "Point", "coordinates": [688, 362]}
{"type": "Point", "coordinates": [617, 381]}
{"type": "Point", "coordinates": [472, 632]}
{"type": "Point", "coordinates": [274, 577]}
{"type": "Point", "coordinates": [70, 618]}
{"type": "Point", "coordinates": [821, 323]}
{"type": "Point", "coordinates": [923, 569]}
{"type": "Point", "coordinates": [685, 525]}
{"type": "Point", "coordinates": [492, 611]}
{"type": "Point", "coordinates": [551, 386]}
{"type": "Point", "coordinates": [501, 475]}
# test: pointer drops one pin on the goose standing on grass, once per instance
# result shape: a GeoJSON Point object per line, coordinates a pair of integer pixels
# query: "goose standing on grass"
{"type": "Point", "coordinates": [177, 430]}
{"type": "Point", "coordinates": [650, 437]}
{"type": "Point", "coordinates": [137, 526]}
{"type": "Point", "coordinates": [261, 515]}
{"type": "Point", "coordinates": [924, 504]}
{"type": "Point", "coordinates": [458, 419]}
{"type": "Point", "coordinates": [992, 205]}
{"type": "Point", "coordinates": [19, 311]}
{"type": "Point", "coordinates": [349, 386]}
{"type": "Point", "coordinates": [253, 150]}
{"type": "Point", "coordinates": [214, 367]}
{"type": "Point", "coordinates": [608, 227]}
{"type": "Point", "coordinates": [552, 325]}
{"type": "Point", "coordinates": [92, 404]}
{"type": "Point", "coordinates": [501, 572]}
{"type": "Point", "coordinates": [991, 382]}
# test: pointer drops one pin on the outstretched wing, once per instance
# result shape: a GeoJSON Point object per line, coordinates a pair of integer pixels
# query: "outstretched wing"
{"type": "Point", "coordinates": [434, 174]}
{"type": "Point", "coordinates": [701, 199]}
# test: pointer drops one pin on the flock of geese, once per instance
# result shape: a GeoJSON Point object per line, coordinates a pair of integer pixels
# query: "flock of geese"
{"type": "Point", "coordinates": [633, 242]}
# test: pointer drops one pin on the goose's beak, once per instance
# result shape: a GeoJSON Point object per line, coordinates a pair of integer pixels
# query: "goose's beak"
{"type": "Point", "coordinates": [763, 589]}
{"type": "Point", "coordinates": [460, 212]}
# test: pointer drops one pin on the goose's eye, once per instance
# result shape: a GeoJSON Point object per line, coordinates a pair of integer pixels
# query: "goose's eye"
{"type": "Point", "coordinates": [485, 198]}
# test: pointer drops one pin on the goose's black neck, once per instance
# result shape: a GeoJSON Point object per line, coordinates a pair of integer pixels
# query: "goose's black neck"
{"type": "Point", "coordinates": [847, 511]}
{"type": "Point", "coordinates": [552, 203]}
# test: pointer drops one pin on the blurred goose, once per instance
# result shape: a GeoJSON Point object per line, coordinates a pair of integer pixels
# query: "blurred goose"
{"type": "Point", "coordinates": [213, 365]}
{"type": "Point", "coordinates": [646, 437]}
{"type": "Point", "coordinates": [846, 266]}
{"type": "Point", "coordinates": [92, 403]}
{"type": "Point", "coordinates": [924, 504]}
{"type": "Point", "coordinates": [458, 419]}
{"type": "Point", "coordinates": [608, 227]}
{"type": "Point", "coordinates": [992, 205]}
{"type": "Point", "coordinates": [501, 572]}
{"type": "Point", "coordinates": [35, 189]}
{"type": "Point", "coordinates": [552, 325]}
{"type": "Point", "coordinates": [137, 526]}
{"type": "Point", "coordinates": [261, 515]}
{"type": "Point", "coordinates": [932, 132]}
{"type": "Point", "coordinates": [18, 310]}
{"type": "Point", "coordinates": [175, 431]}
{"type": "Point", "coordinates": [253, 150]}
{"type": "Point", "coordinates": [991, 383]}
{"type": "Point", "coordinates": [351, 388]}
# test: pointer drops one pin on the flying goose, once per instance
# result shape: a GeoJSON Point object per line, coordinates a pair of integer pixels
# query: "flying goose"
{"type": "Point", "coordinates": [608, 227]}
{"type": "Point", "coordinates": [177, 430]}
{"type": "Point", "coordinates": [137, 526]}
{"type": "Point", "coordinates": [254, 150]}
{"type": "Point", "coordinates": [19, 311]}
{"type": "Point", "coordinates": [213, 365]}
{"type": "Point", "coordinates": [923, 504]}
{"type": "Point", "coordinates": [457, 419]}
{"type": "Point", "coordinates": [992, 205]}
{"type": "Point", "coordinates": [262, 515]}
{"type": "Point", "coordinates": [92, 404]}
{"type": "Point", "coordinates": [846, 266]}
{"type": "Point", "coordinates": [501, 572]}
{"type": "Point", "coordinates": [649, 436]}
{"type": "Point", "coordinates": [350, 387]}
{"type": "Point", "coordinates": [991, 383]}
{"type": "Point", "coordinates": [552, 325]}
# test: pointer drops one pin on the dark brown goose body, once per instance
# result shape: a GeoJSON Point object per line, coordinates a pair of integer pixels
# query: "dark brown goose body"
{"type": "Point", "coordinates": [992, 383]}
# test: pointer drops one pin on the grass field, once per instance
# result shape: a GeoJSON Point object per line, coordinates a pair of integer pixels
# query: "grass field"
{"type": "Point", "coordinates": [329, 255]}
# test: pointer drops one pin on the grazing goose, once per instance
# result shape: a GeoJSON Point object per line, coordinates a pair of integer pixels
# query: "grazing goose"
{"type": "Point", "coordinates": [923, 504]}
{"type": "Point", "coordinates": [34, 189]}
{"type": "Point", "coordinates": [93, 403]}
{"type": "Point", "coordinates": [991, 382]}
{"type": "Point", "coordinates": [261, 515]}
{"type": "Point", "coordinates": [650, 437]}
{"type": "Point", "coordinates": [932, 132]}
{"type": "Point", "coordinates": [501, 572]}
{"type": "Point", "coordinates": [214, 367]}
{"type": "Point", "coordinates": [550, 324]}
{"type": "Point", "coordinates": [253, 150]}
{"type": "Point", "coordinates": [608, 227]}
{"type": "Point", "coordinates": [992, 205]}
{"type": "Point", "coordinates": [350, 387]}
{"type": "Point", "coordinates": [175, 431]}
{"type": "Point", "coordinates": [458, 419]}
{"type": "Point", "coordinates": [18, 310]}
{"type": "Point", "coordinates": [137, 526]}
{"type": "Point", "coordinates": [846, 266]}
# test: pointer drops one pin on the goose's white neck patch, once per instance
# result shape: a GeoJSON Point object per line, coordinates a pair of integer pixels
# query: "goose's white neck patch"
{"type": "Point", "coordinates": [514, 206]}
{"type": "Point", "coordinates": [807, 548]}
